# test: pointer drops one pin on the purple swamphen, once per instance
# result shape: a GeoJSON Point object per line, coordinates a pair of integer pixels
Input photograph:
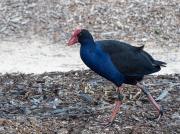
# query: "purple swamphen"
{"type": "Point", "coordinates": [118, 62]}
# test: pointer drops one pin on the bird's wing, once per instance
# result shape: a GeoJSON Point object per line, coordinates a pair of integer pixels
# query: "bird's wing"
{"type": "Point", "coordinates": [129, 60]}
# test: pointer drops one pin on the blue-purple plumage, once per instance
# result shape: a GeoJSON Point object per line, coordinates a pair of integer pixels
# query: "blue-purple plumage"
{"type": "Point", "coordinates": [117, 61]}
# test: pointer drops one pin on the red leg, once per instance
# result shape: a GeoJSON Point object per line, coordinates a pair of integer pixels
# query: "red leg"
{"type": "Point", "coordinates": [118, 103]}
{"type": "Point", "coordinates": [115, 110]}
{"type": "Point", "coordinates": [151, 99]}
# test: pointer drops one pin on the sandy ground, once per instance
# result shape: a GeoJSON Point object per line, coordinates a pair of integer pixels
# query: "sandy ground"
{"type": "Point", "coordinates": [38, 56]}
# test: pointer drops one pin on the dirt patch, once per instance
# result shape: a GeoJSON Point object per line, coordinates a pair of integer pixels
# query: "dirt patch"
{"type": "Point", "coordinates": [77, 101]}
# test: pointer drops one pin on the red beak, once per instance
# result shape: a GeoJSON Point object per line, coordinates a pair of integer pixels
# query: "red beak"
{"type": "Point", "coordinates": [72, 40]}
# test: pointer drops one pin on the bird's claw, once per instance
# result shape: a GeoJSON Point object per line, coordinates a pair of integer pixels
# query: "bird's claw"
{"type": "Point", "coordinates": [157, 118]}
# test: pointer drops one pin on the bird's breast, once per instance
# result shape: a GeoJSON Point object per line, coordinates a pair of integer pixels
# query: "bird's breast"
{"type": "Point", "coordinates": [101, 63]}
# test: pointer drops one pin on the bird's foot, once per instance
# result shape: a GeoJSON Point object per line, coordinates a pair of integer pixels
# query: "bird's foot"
{"type": "Point", "coordinates": [109, 121]}
{"type": "Point", "coordinates": [152, 100]}
{"type": "Point", "coordinates": [115, 110]}
{"type": "Point", "coordinates": [157, 118]}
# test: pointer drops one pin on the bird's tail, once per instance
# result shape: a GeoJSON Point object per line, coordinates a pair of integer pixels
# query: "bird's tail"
{"type": "Point", "coordinates": [160, 63]}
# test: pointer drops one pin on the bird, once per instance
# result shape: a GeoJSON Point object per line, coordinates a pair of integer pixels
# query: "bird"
{"type": "Point", "coordinates": [118, 62]}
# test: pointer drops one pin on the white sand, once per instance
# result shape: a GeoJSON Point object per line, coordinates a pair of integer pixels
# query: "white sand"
{"type": "Point", "coordinates": [39, 56]}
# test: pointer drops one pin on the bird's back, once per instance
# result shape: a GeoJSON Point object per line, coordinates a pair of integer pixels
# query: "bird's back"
{"type": "Point", "coordinates": [133, 62]}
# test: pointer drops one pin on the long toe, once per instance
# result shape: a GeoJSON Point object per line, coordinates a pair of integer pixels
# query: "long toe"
{"type": "Point", "coordinates": [157, 118]}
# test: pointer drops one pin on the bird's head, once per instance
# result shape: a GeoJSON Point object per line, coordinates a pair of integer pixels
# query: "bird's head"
{"type": "Point", "coordinates": [78, 36]}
